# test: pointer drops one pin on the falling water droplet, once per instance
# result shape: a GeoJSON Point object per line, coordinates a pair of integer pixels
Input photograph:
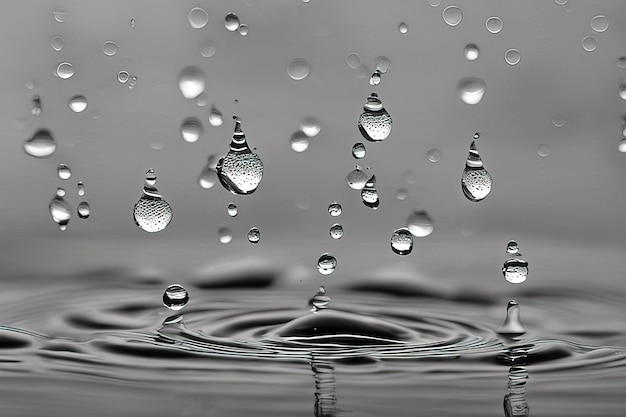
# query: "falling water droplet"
{"type": "Point", "coordinates": [336, 231]}
{"type": "Point", "coordinates": [298, 69]}
{"type": "Point", "coordinates": [83, 209]}
{"type": "Point", "coordinates": [109, 48]}
{"type": "Point", "coordinates": [57, 43]}
{"type": "Point", "coordinates": [198, 18]}
{"type": "Point", "coordinates": [81, 189]}
{"type": "Point", "coordinates": [401, 242]}
{"type": "Point", "coordinates": [512, 325]}
{"type": "Point", "coordinates": [60, 210]}
{"type": "Point", "coordinates": [208, 177]}
{"type": "Point", "coordinates": [191, 82]}
{"type": "Point", "coordinates": [35, 109]}
{"type": "Point", "coordinates": [41, 144]}
{"type": "Point", "coordinates": [241, 170]}
{"type": "Point", "coordinates": [133, 23]}
{"type": "Point", "coordinates": [208, 49]}
{"type": "Point", "coordinates": [434, 3]}
{"type": "Point", "coordinates": [59, 15]}
{"type": "Point", "coordinates": [375, 78]}
{"type": "Point", "coordinates": [299, 142]}
{"type": "Point", "coordinates": [494, 24]}
{"type": "Point", "coordinates": [310, 126]}
{"type": "Point", "coordinates": [320, 300]}
{"type": "Point", "coordinates": [382, 64]}
{"type": "Point", "coordinates": [175, 297]}
{"type": "Point", "coordinates": [353, 60]}
{"type": "Point", "coordinates": [543, 151]}
{"type": "Point", "coordinates": [123, 77]}
{"type": "Point", "coordinates": [224, 235]}
{"type": "Point", "coordinates": [622, 146]}
{"type": "Point", "coordinates": [512, 248]}
{"type": "Point", "coordinates": [419, 223]}
{"type": "Point", "coordinates": [231, 22]}
{"type": "Point", "coordinates": [403, 28]}
{"type": "Point", "coordinates": [590, 44]}
{"type": "Point", "coordinates": [77, 104]}
{"type": "Point", "coordinates": [215, 117]}
{"type": "Point", "coordinates": [254, 235]}
{"type": "Point", "coordinates": [356, 179]}
{"type": "Point", "coordinates": [471, 90]}
{"type": "Point", "coordinates": [232, 210]}
{"type": "Point", "coordinates": [326, 264]}
{"type": "Point", "coordinates": [369, 195]}
{"type": "Point", "coordinates": [191, 129]}
{"type": "Point", "coordinates": [243, 30]}
{"type": "Point", "coordinates": [621, 62]}
{"type": "Point", "coordinates": [515, 270]}
{"type": "Point", "coordinates": [452, 15]}
{"type": "Point", "coordinates": [358, 150]}
{"type": "Point", "coordinates": [622, 92]}
{"type": "Point", "coordinates": [471, 52]}
{"type": "Point", "coordinates": [599, 23]}
{"type": "Point", "coordinates": [64, 172]}
{"type": "Point", "coordinates": [65, 70]}
{"type": "Point", "coordinates": [558, 120]}
{"type": "Point", "coordinates": [374, 123]}
{"type": "Point", "coordinates": [152, 213]}
{"type": "Point", "coordinates": [476, 181]}
{"type": "Point", "coordinates": [512, 57]}
{"type": "Point", "coordinates": [402, 194]}
{"type": "Point", "coordinates": [434, 155]}
{"type": "Point", "coordinates": [334, 209]}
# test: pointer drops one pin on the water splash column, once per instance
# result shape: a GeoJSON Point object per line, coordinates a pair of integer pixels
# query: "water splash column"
{"type": "Point", "coordinates": [515, 403]}
{"type": "Point", "coordinates": [325, 398]}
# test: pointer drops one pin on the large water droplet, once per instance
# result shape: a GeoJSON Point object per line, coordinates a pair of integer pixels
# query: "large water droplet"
{"type": "Point", "coordinates": [599, 23]}
{"type": "Point", "coordinates": [369, 195]}
{"type": "Point", "coordinates": [336, 231]}
{"type": "Point", "coordinates": [512, 57]}
{"type": "Point", "coordinates": [515, 270]}
{"type": "Point", "coordinates": [512, 325]}
{"type": "Point", "coordinates": [191, 130]}
{"type": "Point", "coordinates": [512, 248]}
{"type": "Point", "coordinates": [434, 155]}
{"type": "Point", "coordinates": [57, 43]}
{"type": "Point", "coordinates": [299, 142]}
{"type": "Point", "coordinates": [208, 177]}
{"type": "Point", "coordinates": [254, 235]}
{"type": "Point", "coordinates": [77, 104]}
{"type": "Point", "coordinates": [401, 242]}
{"type": "Point", "coordinates": [232, 210]}
{"type": "Point", "coordinates": [326, 264]}
{"type": "Point", "coordinates": [83, 210]}
{"type": "Point", "coordinates": [353, 60]}
{"type": "Point", "coordinates": [298, 69]}
{"type": "Point", "coordinates": [175, 297]}
{"type": "Point", "coordinates": [41, 144]}
{"type": "Point", "coordinates": [109, 48]}
{"type": "Point", "coordinates": [320, 300]}
{"type": "Point", "coordinates": [374, 123]}
{"type": "Point", "coordinates": [494, 24]}
{"type": "Point", "coordinates": [198, 18]}
{"type": "Point", "coordinates": [241, 170]}
{"type": "Point", "coordinates": [224, 235]}
{"type": "Point", "coordinates": [476, 181]}
{"type": "Point", "coordinates": [403, 28]}
{"type": "Point", "coordinates": [60, 210]}
{"type": "Point", "coordinates": [192, 82]}
{"type": "Point", "coordinates": [419, 223]}
{"type": "Point", "coordinates": [310, 126]}
{"type": "Point", "coordinates": [452, 15]}
{"type": "Point", "coordinates": [64, 172]}
{"type": "Point", "coordinates": [356, 179]}
{"type": "Point", "coordinates": [334, 209]}
{"type": "Point", "coordinates": [65, 70]}
{"type": "Point", "coordinates": [231, 22]}
{"type": "Point", "coordinates": [471, 52]}
{"type": "Point", "coordinates": [358, 150]}
{"type": "Point", "coordinates": [152, 213]}
{"type": "Point", "coordinates": [215, 117]}
{"type": "Point", "coordinates": [589, 43]}
{"type": "Point", "coordinates": [471, 90]}
{"type": "Point", "coordinates": [81, 189]}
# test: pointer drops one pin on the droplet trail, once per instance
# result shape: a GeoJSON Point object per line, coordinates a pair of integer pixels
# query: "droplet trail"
{"type": "Point", "coordinates": [512, 325]}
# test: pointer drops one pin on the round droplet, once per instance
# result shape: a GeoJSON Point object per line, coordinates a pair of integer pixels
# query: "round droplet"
{"type": "Point", "coordinates": [191, 130]}
{"type": "Point", "coordinates": [621, 62]}
{"type": "Point", "coordinates": [64, 172]}
{"type": "Point", "coordinates": [515, 270]}
{"type": "Point", "coordinates": [215, 117]}
{"type": "Point", "coordinates": [60, 192]}
{"type": "Point", "coordinates": [403, 28]}
{"type": "Point", "coordinates": [401, 242]}
{"type": "Point", "coordinates": [434, 155]}
{"type": "Point", "coordinates": [326, 264]}
{"type": "Point", "coordinates": [191, 82]}
{"type": "Point", "coordinates": [123, 77]}
{"type": "Point", "coordinates": [434, 3]}
{"type": "Point", "coordinates": [353, 60]}
{"type": "Point", "coordinates": [471, 90]}
{"type": "Point", "coordinates": [109, 48]}
{"type": "Point", "coordinates": [402, 194]}
{"type": "Point", "coordinates": [152, 213]}
{"type": "Point", "coordinates": [561, 2]}
{"type": "Point", "coordinates": [374, 123]}
{"type": "Point", "coordinates": [452, 15]}
{"type": "Point", "coordinates": [320, 300]}
{"type": "Point", "coordinates": [65, 70]}
{"type": "Point", "coordinates": [198, 18]}
{"type": "Point", "coordinates": [419, 223]}
{"type": "Point", "coordinates": [59, 15]}
{"type": "Point", "coordinates": [41, 144]}
{"type": "Point", "coordinates": [558, 120]}
{"type": "Point", "coordinates": [369, 194]}
{"type": "Point", "coordinates": [512, 248]}
{"type": "Point", "coordinates": [622, 92]}
{"type": "Point", "coordinates": [356, 179]}
{"type": "Point", "coordinates": [254, 235]}
{"type": "Point", "coordinates": [241, 170]}
{"type": "Point", "coordinates": [599, 23]}
{"type": "Point", "coordinates": [334, 209]}
{"type": "Point", "coordinates": [81, 189]}
{"type": "Point", "coordinates": [225, 235]}
{"type": "Point", "coordinates": [471, 52]}
{"type": "Point", "coordinates": [232, 210]}
{"type": "Point", "coordinates": [57, 43]}
{"type": "Point", "coordinates": [336, 231]}
{"type": "Point", "coordinates": [358, 150]}
{"type": "Point", "coordinates": [208, 177]}
{"type": "Point", "coordinates": [77, 104]}
{"type": "Point", "coordinates": [83, 210]}
{"type": "Point", "coordinates": [298, 69]}
{"type": "Point", "coordinates": [590, 44]}
{"type": "Point", "coordinates": [175, 297]}
{"type": "Point", "coordinates": [622, 146]}
{"type": "Point", "coordinates": [231, 21]}
{"type": "Point", "coordinates": [35, 110]}
{"type": "Point", "coordinates": [409, 176]}
{"type": "Point", "coordinates": [543, 151]}
{"type": "Point", "coordinates": [382, 64]}
{"type": "Point", "coordinates": [512, 57]}
{"type": "Point", "coordinates": [243, 30]}
{"type": "Point", "coordinates": [208, 49]}
{"type": "Point", "coordinates": [60, 210]}
{"type": "Point", "coordinates": [512, 325]}
{"type": "Point", "coordinates": [494, 24]}
{"type": "Point", "coordinates": [299, 142]}
{"type": "Point", "coordinates": [310, 126]}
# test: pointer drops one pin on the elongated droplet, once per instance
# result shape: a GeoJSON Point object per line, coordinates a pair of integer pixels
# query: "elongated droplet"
{"type": "Point", "coordinates": [64, 172]}
{"type": "Point", "coordinates": [175, 297]}
{"type": "Point", "coordinates": [152, 213]}
{"type": "Point", "coordinates": [326, 264]}
{"type": "Point", "coordinates": [420, 223]}
{"type": "Point", "coordinates": [191, 82]}
{"type": "Point", "coordinates": [208, 177]}
{"type": "Point", "coordinates": [320, 300]}
{"type": "Point", "coordinates": [356, 179]}
{"type": "Point", "coordinates": [232, 210]}
{"type": "Point", "coordinates": [358, 150]}
{"type": "Point", "coordinates": [336, 231]}
{"type": "Point", "coordinates": [471, 90]}
{"type": "Point", "coordinates": [35, 110]}
{"type": "Point", "coordinates": [81, 189]}
{"type": "Point", "coordinates": [402, 241]}
{"type": "Point", "coordinates": [369, 195]}
{"type": "Point", "coordinates": [191, 130]}
{"type": "Point", "coordinates": [77, 104]}
{"type": "Point", "coordinates": [254, 235]}
{"type": "Point", "coordinates": [512, 325]}
{"type": "Point", "coordinates": [241, 170]}
{"type": "Point", "coordinates": [83, 210]}
{"type": "Point", "coordinates": [334, 209]}
{"type": "Point", "coordinates": [512, 248]}
{"type": "Point", "coordinates": [60, 210]}
{"type": "Point", "coordinates": [41, 144]}
{"type": "Point", "coordinates": [476, 181]}
{"type": "Point", "coordinates": [515, 270]}
{"type": "Point", "coordinates": [374, 123]}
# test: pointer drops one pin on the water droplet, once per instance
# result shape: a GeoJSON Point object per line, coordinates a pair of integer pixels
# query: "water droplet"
{"type": "Point", "coordinates": [622, 92]}
{"type": "Point", "coordinates": [133, 82]}
{"type": "Point", "coordinates": [512, 323]}
{"type": "Point", "coordinates": [403, 28]}
{"type": "Point", "coordinates": [561, 2]}
{"type": "Point", "coordinates": [336, 231]}
{"type": "Point", "coordinates": [57, 43]}
{"type": "Point", "coordinates": [375, 78]}
{"type": "Point", "coordinates": [32, 84]}
{"type": "Point", "coordinates": [77, 104]}
{"type": "Point", "coordinates": [358, 150]}
{"type": "Point", "coordinates": [175, 297]}
{"type": "Point", "coordinates": [133, 23]}
{"type": "Point", "coordinates": [310, 126]}
{"type": "Point", "coordinates": [382, 64]}
{"type": "Point", "coordinates": [621, 62]}
{"type": "Point", "coordinates": [401, 242]}
{"type": "Point", "coordinates": [353, 60]}
{"type": "Point", "coordinates": [298, 69]}
{"type": "Point", "coordinates": [215, 117]}
{"type": "Point", "coordinates": [208, 49]}
{"type": "Point", "coordinates": [83, 209]}
{"type": "Point", "coordinates": [471, 90]}
{"type": "Point", "coordinates": [326, 264]}
{"type": "Point", "coordinates": [299, 142]}
{"type": "Point", "coordinates": [241, 170]}
{"type": "Point", "coordinates": [243, 30]}
{"type": "Point", "coordinates": [60, 210]}
{"type": "Point", "coordinates": [123, 77]}
{"type": "Point", "coordinates": [59, 15]}
{"type": "Point", "coordinates": [152, 213]}
{"type": "Point", "coordinates": [109, 48]}
{"type": "Point", "coordinates": [225, 235]}
{"type": "Point", "coordinates": [198, 18]}
{"type": "Point", "coordinates": [192, 82]}
{"type": "Point", "coordinates": [420, 224]}
{"type": "Point", "coordinates": [402, 194]}
{"type": "Point", "coordinates": [254, 235]}
{"type": "Point", "coordinates": [231, 21]}
{"type": "Point", "coordinates": [515, 270]}
{"type": "Point", "coordinates": [434, 155]}
{"type": "Point", "coordinates": [374, 123]}
{"type": "Point", "coordinates": [590, 44]}
{"type": "Point", "coordinates": [35, 109]}
{"type": "Point", "coordinates": [41, 144]}
{"type": "Point", "coordinates": [512, 248]}
{"type": "Point", "coordinates": [334, 209]}
{"type": "Point", "coordinates": [320, 300]}
{"type": "Point", "coordinates": [232, 210]}
{"type": "Point", "coordinates": [543, 151]}
{"type": "Point", "coordinates": [476, 182]}
{"type": "Point", "coordinates": [434, 3]}
{"type": "Point", "coordinates": [81, 189]}
{"type": "Point", "coordinates": [599, 24]}
{"type": "Point", "coordinates": [191, 130]}
{"type": "Point", "coordinates": [622, 146]}
{"type": "Point", "coordinates": [356, 179]}
{"type": "Point", "coordinates": [494, 24]}
{"type": "Point", "coordinates": [558, 120]}
{"type": "Point", "coordinates": [452, 15]}
{"type": "Point", "coordinates": [512, 57]}
{"type": "Point", "coordinates": [369, 195]}
{"type": "Point", "coordinates": [471, 52]}
{"type": "Point", "coordinates": [208, 177]}
{"type": "Point", "coordinates": [303, 202]}
{"type": "Point", "coordinates": [202, 100]}
{"type": "Point", "coordinates": [65, 70]}
{"type": "Point", "coordinates": [64, 172]}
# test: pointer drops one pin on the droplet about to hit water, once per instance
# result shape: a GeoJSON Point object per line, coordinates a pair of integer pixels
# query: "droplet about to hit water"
{"type": "Point", "coordinates": [419, 223]}
{"type": "Point", "coordinates": [243, 30]}
{"type": "Point", "coordinates": [231, 22]}
{"type": "Point", "coordinates": [471, 90]}
{"type": "Point", "coordinates": [476, 182]}
{"type": "Point", "coordinates": [336, 231]}
{"type": "Point", "coordinates": [152, 213]}
{"type": "Point", "coordinates": [512, 57]}
{"type": "Point", "coordinates": [369, 194]}
{"type": "Point", "coordinates": [543, 151]}
{"type": "Point", "coordinates": [310, 126]}
{"type": "Point", "coordinates": [198, 18]}
{"type": "Point", "coordinates": [65, 70]}
{"type": "Point", "coordinates": [589, 43]}
{"type": "Point", "coordinates": [83, 210]}
{"type": "Point", "coordinates": [358, 150]}
{"type": "Point", "coordinates": [334, 209]}
{"type": "Point", "coordinates": [175, 297]}
{"type": "Point", "coordinates": [123, 77]}
{"type": "Point", "coordinates": [515, 270]}
{"type": "Point", "coordinates": [232, 210]}
{"type": "Point", "coordinates": [452, 15]}
{"type": "Point", "coordinates": [81, 189]}
{"type": "Point", "coordinates": [356, 179]}
{"type": "Point", "coordinates": [512, 248]}
{"type": "Point", "coordinates": [299, 142]}
{"type": "Point", "coordinates": [471, 52]}
{"type": "Point", "coordinates": [326, 264]}
{"type": "Point", "coordinates": [57, 43]}
{"type": "Point", "coordinates": [353, 60]}
{"type": "Point", "coordinates": [208, 49]}
{"type": "Point", "coordinates": [254, 235]}
{"type": "Point", "coordinates": [599, 23]}
{"type": "Point", "coordinates": [375, 78]}
{"type": "Point", "coordinates": [494, 24]}
{"type": "Point", "coordinates": [191, 129]}
{"type": "Point", "coordinates": [36, 106]}
{"type": "Point", "coordinates": [434, 155]}
{"type": "Point", "coordinates": [401, 242]}
{"type": "Point", "coordinates": [224, 235]}
{"type": "Point", "coordinates": [298, 69]}
{"type": "Point", "coordinates": [60, 210]}
{"type": "Point", "coordinates": [215, 117]}
{"type": "Point", "coordinates": [512, 325]}
{"type": "Point", "coordinates": [77, 104]}
{"type": "Point", "coordinates": [41, 144]}
{"type": "Point", "coordinates": [109, 48]}
{"type": "Point", "coordinates": [64, 172]}
{"type": "Point", "coordinates": [403, 28]}
{"type": "Point", "coordinates": [320, 300]}
{"type": "Point", "coordinates": [241, 170]}
{"type": "Point", "coordinates": [208, 177]}
{"type": "Point", "coordinates": [374, 123]}
{"type": "Point", "coordinates": [191, 82]}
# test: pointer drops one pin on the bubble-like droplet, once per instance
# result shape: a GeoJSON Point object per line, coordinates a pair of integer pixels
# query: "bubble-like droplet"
{"type": "Point", "coordinates": [109, 48]}
{"type": "Point", "coordinates": [375, 78]}
{"type": "Point", "coordinates": [299, 142]}
{"type": "Point", "coordinates": [512, 248]}
{"type": "Point", "coordinates": [382, 64]}
{"type": "Point", "coordinates": [434, 3]}
{"type": "Point", "coordinates": [298, 69]}
{"type": "Point", "coordinates": [191, 82]}
{"type": "Point", "coordinates": [191, 129]}
{"type": "Point", "coordinates": [198, 18]}
{"type": "Point", "coordinates": [369, 194]}
{"type": "Point", "coordinates": [241, 170]}
{"type": "Point", "coordinates": [208, 49]}
{"type": "Point", "coordinates": [471, 90]}
{"type": "Point", "coordinates": [65, 70]}
{"type": "Point", "coordinates": [336, 231]}
{"type": "Point", "coordinates": [254, 235]}
{"type": "Point", "coordinates": [243, 30]}
{"type": "Point", "coordinates": [59, 15]}
{"type": "Point", "coordinates": [152, 213]}
{"type": "Point", "coordinates": [326, 264]}
{"type": "Point", "coordinates": [452, 15]}
{"type": "Point", "coordinates": [589, 43]}
{"type": "Point", "coordinates": [41, 144]}
{"type": "Point", "coordinates": [57, 43]}
{"type": "Point", "coordinates": [310, 126]}
{"type": "Point", "coordinates": [77, 104]}
{"type": "Point", "coordinates": [409, 176]}
{"type": "Point", "coordinates": [471, 52]}
{"type": "Point", "coordinates": [60, 210]}
{"type": "Point", "coordinates": [358, 150]}
{"type": "Point", "coordinates": [353, 60]}
{"type": "Point", "coordinates": [494, 24]}
{"type": "Point", "coordinates": [36, 107]}
{"type": "Point", "coordinates": [515, 270]}
{"type": "Point", "coordinates": [231, 22]}
{"type": "Point", "coordinates": [232, 210]}
{"type": "Point", "coordinates": [558, 120]}
{"type": "Point", "coordinates": [215, 117]}
{"type": "Point", "coordinates": [622, 146]}
{"type": "Point", "coordinates": [320, 300]}
{"type": "Point", "coordinates": [401, 242]}
{"type": "Point", "coordinates": [561, 2]}
{"type": "Point", "coordinates": [334, 209]}
{"type": "Point", "coordinates": [419, 223]}
{"type": "Point", "coordinates": [622, 92]}
{"type": "Point", "coordinates": [512, 57]}
{"type": "Point", "coordinates": [434, 155]}
{"type": "Point", "coordinates": [83, 210]}
{"type": "Point", "coordinates": [374, 123]}
{"type": "Point", "coordinates": [543, 151]}
{"type": "Point", "coordinates": [403, 28]}
{"type": "Point", "coordinates": [64, 172]}
{"type": "Point", "coordinates": [123, 77]}
{"type": "Point", "coordinates": [208, 177]}
{"type": "Point", "coordinates": [81, 189]}
{"type": "Point", "coordinates": [133, 23]}
{"type": "Point", "coordinates": [175, 297]}
{"type": "Point", "coordinates": [599, 23]}
{"type": "Point", "coordinates": [402, 194]}
{"type": "Point", "coordinates": [512, 325]}
{"type": "Point", "coordinates": [476, 182]}
{"type": "Point", "coordinates": [356, 179]}
{"type": "Point", "coordinates": [621, 62]}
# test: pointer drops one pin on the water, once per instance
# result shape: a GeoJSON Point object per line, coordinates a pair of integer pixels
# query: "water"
{"type": "Point", "coordinates": [401, 241]}
{"type": "Point", "coordinates": [369, 194]}
{"type": "Point", "coordinates": [471, 90]}
{"type": "Point", "coordinates": [434, 155]}
{"type": "Point", "coordinates": [65, 70]}
{"type": "Point", "coordinates": [254, 235]}
{"type": "Point", "coordinates": [476, 182]}
{"type": "Point", "coordinates": [358, 150]}
{"type": "Point", "coordinates": [57, 43]}
{"type": "Point", "coordinates": [356, 179]}
{"type": "Point", "coordinates": [41, 144]}
{"type": "Point", "coordinates": [109, 48]}
{"type": "Point", "coordinates": [589, 43]}
{"type": "Point", "coordinates": [232, 209]}
{"type": "Point", "coordinates": [403, 28]}
{"type": "Point", "coordinates": [298, 69]}
{"type": "Point", "coordinates": [191, 82]}
{"type": "Point", "coordinates": [60, 209]}
{"type": "Point", "coordinates": [494, 24]}
{"type": "Point", "coordinates": [299, 142]}
{"type": "Point", "coordinates": [320, 300]}
{"type": "Point", "coordinates": [311, 127]}
{"type": "Point", "coordinates": [198, 18]}
{"type": "Point", "coordinates": [515, 270]}
{"type": "Point", "coordinates": [243, 30]}
{"type": "Point", "coordinates": [208, 177]}
{"type": "Point", "coordinates": [175, 297]}
{"type": "Point", "coordinates": [471, 52]}
{"type": "Point", "coordinates": [231, 22]}
{"type": "Point", "coordinates": [215, 117]}
{"type": "Point", "coordinates": [151, 212]}
{"type": "Point", "coordinates": [241, 170]}
{"type": "Point", "coordinates": [36, 107]}
{"type": "Point", "coordinates": [336, 231]}
{"type": "Point", "coordinates": [419, 223]}
{"type": "Point", "coordinates": [83, 209]}
{"type": "Point", "coordinates": [334, 209]}
{"type": "Point", "coordinates": [225, 235]}
{"type": "Point", "coordinates": [326, 264]}
{"type": "Point", "coordinates": [123, 77]}
{"type": "Point", "coordinates": [191, 130]}
{"type": "Point", "coordinates": [599, 23]}
{"type": "Point", "coordinates": [64, 172]}
{"type": "Point", "coordinates": [374, 123]}
{"type": "Point", "coordinates": [81, 189]}
{"type": "Point", "coordinates": [512, 56]}
{"type": "Point", "coordinates": [78, 104]}
{"type": "Point", "coordinates": [452, 15]}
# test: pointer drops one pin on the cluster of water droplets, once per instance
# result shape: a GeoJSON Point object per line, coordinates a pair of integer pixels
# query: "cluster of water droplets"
{"type": "Point", "coordinates": [151, 212]}
{"type": "Point", "coordinates": [309, 128]}
{"type": "Point", "coordinates": [514, 269]}
{"type": "Point", "coordinates": [233, 24]}
{"type": "Point", "coordinates": [476, 182]}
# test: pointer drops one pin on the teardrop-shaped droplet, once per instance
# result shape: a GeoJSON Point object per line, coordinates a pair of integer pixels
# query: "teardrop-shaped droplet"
{"type": "Point", "coordinates": [356, 179]}
{"type": "Point", "coordinates": [512, 325]}
{"type": "Point", "coordinates": [64, 172]}
{"type": "Point", "coordinates": [375, 78]}
{"type": "Point", "coordinates": [81, 189]}
{"type": "Point", "coordinates": [175, 297]}
{"type": "Point", "coordinates": [191, 130]}
{"type": "Point", "coordinates": [232, 210]}
{"type": "Point", "coordinates": [336, 231]}
{"type": "Point", "coordinates": [215, 117]}
{"type": "Point", "coordinates": [41, 144]}
{"type": "Point", "coordinates": [320, 300]}
{"type": "Point", "coordinates": [35, 109]}
{"type": "Point", "coordinates": [515, 270]}
{"type": "Point", "coordinates": [225, 235]}
{"type": "Point", "coordinates": [60, 210]}
{"type": "Point", "coordinates": [358, 150]}
{"type": "Point", "coordinates": [476, 181]}
{"type": "Point", "coordinates": [208, 177]}
{"type": "Point", "coordinates": [512, 248]}
{"type": "Point", "coordinates": [254, 235]}
{"type": "Point", "coordinates": [334, 209]}
{"type": "Point", "coordinates": [374, 123]}
{"type": "Point", "coordinates": [191, 82]}
{"type": "Point", "coordinates": [77, 104]}
{"type": "Point", "coordinates": [471, 90]}
{"type": "Point", "coordinates": [152, 213]}
{"type": "Point", "coordinates": [401, 241]}
{"type": "Point", "coordinates": [419, 223]}
{"type": "Point", "coordinates": [231, 22]}
{"type": "Point", "coordinates": [241, 170]}
{"type": "Point", "coordinates": [326, 264]}
{"type": "Point", "coordinates": [369, 195]}
{"type": "Point", "coordinates": [83, 210]}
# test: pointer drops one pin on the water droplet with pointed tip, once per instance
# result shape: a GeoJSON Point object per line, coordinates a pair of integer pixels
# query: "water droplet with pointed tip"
{"type": "Point", "coordinates": [191, 130]}
{"type": "Point", "coordinates": [175, 297]}
{"type": "Point", "coordinates": [65, 70]}
{"type": "Point", "coordinates": [401, 241]}
{"type": "Point", "coordinates": [320, 300]}
{"type": "Point", "coordinates": [224, 235]}
{"type": "Point", "coordinates": [369, 195]}
{"type": "Point", "coordinates": [515, 270]}
{"type": "Point", "coordinates": [215, 117]}
{"type": "Point", "coordinates": [77, 104]}
{"type": "Point", "coordinates": [374, 123]}
{"type": "Point", "coordinates": [326, 264]}
{"type": "Point", "coordinates": [334, 209]}
{"type": "Point", "coordinates": [81, 189]}
{"type": "Point", "coordinates": [420, 224]}
{"type": "Point", "coordinates": [60, 210]}
{"type": "Point", "coordinates": [198, 18]}
{"type": "Point", "coordinates": [191, 82]}
{"type": "Point", "coordinates": [231, 22]}
{"type": "Point", "coordinates": [254, 235]}
{"type": "Point", "coordinates": [83, 210]}
{"type": "Point", "coordinates": [375, 78]}
{"type": "Point", "coordinates": [64, 172]}
{"type": "Point", "coordinates": [356, 179]}
{"type": "Point", "coordinates": [151, 212]}
{"type": "Point", "coordinates": [232, 210]}
{"type": "Point", "coordinates": [512, 248]}
{"type": "Point", "coordinates": [471, 52]}
{"type": "Point", "coordinates": [241, 170]}
{"type": "Point", "coordinates": [336, 231]}
{"type": "Point", "coordinates": [471, 90]}
{"type": "Point", "coordinates": [358, 150]}
{"type": "Point", "coordinates": [512, 325]}
{"type": "Point", "coordinates": [41, 144]}
{"type": "Point", "coordinates": [476, 182]}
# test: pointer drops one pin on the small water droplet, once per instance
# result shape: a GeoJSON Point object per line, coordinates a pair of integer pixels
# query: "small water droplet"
{"type": "Point", "coordinates": [589, 43]}
{"type": "Point", "coordinates": [543, 151]}
{"type": "Point", "coordinates": [310, 126]}
{"type": "Point", "coordinates": [133, 23]}
{"type": "Point", "coordinates": [409, 176]}
{"type": "Point", "coordinates": [353, 60]}
{"type": "Point", "coordinates": [382, 64]}
{"type": "Point", "coordinates": [358, 150]}
{"type": "Point", "coordinates": [231, 22]}
{"type": "Point", "coordinates": [175, 297]}
{"type": "Point", "coordinates": [403, 28]}
{"type": "Point", "coordinates": [512, 325]}
{"type": "Point", "coordinates": [60, 210]}
{"type": "Point", "coordinates": [123, 77]}
{"type": "Point", "coordinates": [208, 49]}
{"type": "Point", "coordinates": [622, 145]}
{"type": "Point", "coordinates": [152, 213]}
{"type": "Point", "coordinates": [303, 202]}
{"type": "Point", "coordinates": [232, 210]}
{"type": "Point", "coordinates": [512, 248]}
{"type": "Point", "coordinates": [132, 83]}
{"type": "Point", "coordinates": [81, 189]}
{"type": "Point", "coordinates": [471, 90]}
{"type": "Point", "coordinates": [32, 84]}
{"type": "Point", "coordinates": [336, 231]}
{"type": "Point", "coordinates": [254, 235]}
{"type": "Point", "coordinates": [64, 172]}
{"type": "Point", "coordinates": [208, 177]}
{"type": "Point", "coordinates": [512, 57]}
{"type": "Point", "coordinates": [109, 48]}
{"type": "Point", "coordinates": [356, 179]}
{"type": "Point", "coordinates": [375, 78]}
{"type": "Point", "coordinates": [320, 300]}
{"type": "Point", "coordinates": [299, 142]}
{"type": "Point", "coordinates": [561, 2]}
{"type": "Point", "coordinates": [494, 24]}
{"type": "Point", "coordinates": [59, 15]}
{"type": "Point", "coordinates": [369, 194]}
{"type": "Point", "coordinates": [434, 155]}
{"type": "Point", "coordinates": [622, 92]}
{"type": "Point", "coordinates": [198, 18]}
{"type": "Point", "coordinates": [224, 235]}
{"type": "Point", "coordinates": [35, 109]}
{"type": "Point", "coordinates": [515, 270]}
{"type": "Point", "coordinates": [452, 15]}
{"type": "Point", "coordinates": [434, 3]}
{"type": "Point", "coordinates": [374, 123]}
{"type": "Point", "coordinates": [402, 194]}
{"type": "Point", "coordinates": [476, 182]}
{"type": "Point", "coordinates": [334, 209]}
{"type": "Point", "coordinates": [65, 70]}
{"type": "Point", "coordinates": [401, 242]}
{"type": "Point", "coordinates": [326, 264]}
{"type": "Point", "coordinates": [41, 144]}
{"type": "Point", "coordinates": [83, 209]}
{"type": "Point", "coordinates": [57, 43]}
{"type": "Point", "coordinates": [191, 82]}
{"type": "Point", "coordinates": [471, 52]}
{"type": "Point", "coordinates": [599, 23]}
{"type": "Point", "coordinates": [298, 69]}
{"type": "Point", "coordinates": [420, 224]}
{"type": "Point", "coordinates": [191, 129]}
{"type": "Point", "coordinates": [621, 62]}
{"type": "Point", "coordinates": [202, 100]}
{"type": "Point", "coordinates": [243, 30]}
{"type": "Point", "coordinates": [558, 120]}
{"type": "Point", "coordinates": [241, 170]}
{"type": "Point", "coordinates": [215, 117]}
{"type": "Point", "coordinates": [77, 104]}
